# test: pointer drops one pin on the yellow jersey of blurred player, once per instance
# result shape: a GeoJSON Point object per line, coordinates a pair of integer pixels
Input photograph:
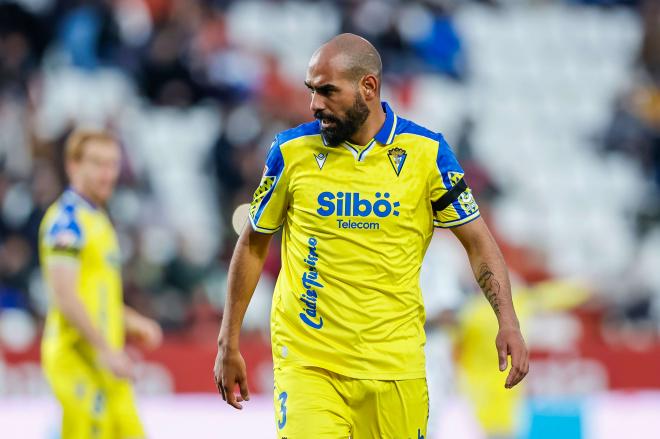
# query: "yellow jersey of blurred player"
{"type": "Point", "coordinates": [83, 344]}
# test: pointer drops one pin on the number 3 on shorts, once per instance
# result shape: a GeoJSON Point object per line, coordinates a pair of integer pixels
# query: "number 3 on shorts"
{"type": "Point", "coordinates": [282, 422]}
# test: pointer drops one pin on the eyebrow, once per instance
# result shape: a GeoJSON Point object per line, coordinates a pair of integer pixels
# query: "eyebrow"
{"type": "Point", "coordinates": [323, 89]}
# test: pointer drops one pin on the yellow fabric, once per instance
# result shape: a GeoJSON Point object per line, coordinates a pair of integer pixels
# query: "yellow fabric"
{"type": "Point", "coordinates": [95, 405]}
{"type": "Point", "coordinates": [481, 379]}
{"type": "Point", "coordinates": [497, 408]}
{"type": "Point", "coordinates": [75, 231]}
{"type": "Point", "coordinates": [315, 403]}
{"type": "Point", "coordinates": [356, 222]}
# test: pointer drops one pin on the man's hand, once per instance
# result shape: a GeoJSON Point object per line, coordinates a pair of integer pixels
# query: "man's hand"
{"type": "Point", "coordinates": [229, 370]}
{"type": "Point", "coordinates": [118, 363]}
{"type": "Point", "coordinates": [491, 274]}
{"type": "Point", "coordinates": [510, 341]}
{"type": "Point", "coordinates": [146, 332]}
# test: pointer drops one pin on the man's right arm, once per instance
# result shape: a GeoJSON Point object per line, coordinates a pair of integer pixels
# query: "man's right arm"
{"type": "Point", "coordinates": [244, 271]}
{"type": "Point", "coordinates": [63, 273]}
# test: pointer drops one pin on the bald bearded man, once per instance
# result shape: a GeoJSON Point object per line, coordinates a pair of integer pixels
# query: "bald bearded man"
{"type": "Point", "coordinates": [357, 194]}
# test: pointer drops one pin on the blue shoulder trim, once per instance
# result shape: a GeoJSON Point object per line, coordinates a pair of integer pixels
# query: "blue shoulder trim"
{"type": "Point", "coordinates": [385, 135]}
{"type": "Point", "coordinates": [65, 232]}
{"type": "Point", "coordinates": [447, 166]}
{"type": "Point", "coordinates": [274, 160]}
{"type": "Point", "coordinates": [305, 129]}
{"type": "Point", "coordinates": [446, 160]}
{"type": "Point", "coordinates": [272, 176]}
{"type": "Point", "coordinates": [406, 126]}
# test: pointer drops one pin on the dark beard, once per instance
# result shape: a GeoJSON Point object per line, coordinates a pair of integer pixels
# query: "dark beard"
{"type": "Point", "coordinates": [346, 127]}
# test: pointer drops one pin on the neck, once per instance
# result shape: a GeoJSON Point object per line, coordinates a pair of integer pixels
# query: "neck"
{"type": "Point", "coordinates": [370, 127]}
{"type": "Point", "coordinates": [80, 190]}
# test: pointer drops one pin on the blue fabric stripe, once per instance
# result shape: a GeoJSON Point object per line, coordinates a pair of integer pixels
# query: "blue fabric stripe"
{"type": "Point", "coordinates": [404, 126]}
{"type": "Point", "coordinates": [459, 209]}
{"type": "Point", "coordinates": [66, 219]}
{"type": "Point", "coordinates": [305, 129]}
{"type": "Point", "coordinates": [69, 223]}
{"type": "Point", "coordinates": [446, 162]}
{"type": "Point", "coordinates": [275, 166]}
{"type": "Point", "coordinates": [386, 129]}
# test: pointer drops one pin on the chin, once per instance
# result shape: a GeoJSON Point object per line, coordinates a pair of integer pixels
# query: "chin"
{"type": "Point", "coordinates": [331, 138]}
{"type": "Point", "coordinates": [103, 196]}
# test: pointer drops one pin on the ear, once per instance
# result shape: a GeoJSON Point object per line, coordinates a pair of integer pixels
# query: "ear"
{"type": "Point", "coordinates": [369, 87]}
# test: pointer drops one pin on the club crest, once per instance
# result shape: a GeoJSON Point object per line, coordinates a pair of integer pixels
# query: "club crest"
{"type": "Point", "coordinates": [397, 158]}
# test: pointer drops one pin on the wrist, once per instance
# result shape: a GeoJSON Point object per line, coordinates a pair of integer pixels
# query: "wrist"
{"type": "Point", "coordinates": [103, 348]}
{"type": "Point", "coordinates": [227, 342]}
{"type": "Point", "coordinates": [508, 322]}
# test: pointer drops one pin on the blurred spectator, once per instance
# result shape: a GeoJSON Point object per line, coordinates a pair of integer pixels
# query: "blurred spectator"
{"type": "Point", "coordinates": [635, 128]}
{"type": "Point", "coordinates": [411, 37]}
{"type": "Point", "coordinates": [87, 34]}
{"type": "Point", "coordinates": [23, 39]}
{"type": "Point", "coordinates": [15, 258]}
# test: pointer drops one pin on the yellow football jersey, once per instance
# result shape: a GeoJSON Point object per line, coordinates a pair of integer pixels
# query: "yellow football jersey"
{"type": "Point", "coordinates": [74, 228]}
{"type": "Point", "coordinates": [356, 223]}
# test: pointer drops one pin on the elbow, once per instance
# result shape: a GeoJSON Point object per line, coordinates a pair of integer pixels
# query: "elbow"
{"type": "Point", "coordinates": [475, 246]}
{"type": "Point", "coordinates": [62, 301]}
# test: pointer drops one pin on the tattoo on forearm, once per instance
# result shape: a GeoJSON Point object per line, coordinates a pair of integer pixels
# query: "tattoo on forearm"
{"type": "Point", "coordinates": [490, 286]}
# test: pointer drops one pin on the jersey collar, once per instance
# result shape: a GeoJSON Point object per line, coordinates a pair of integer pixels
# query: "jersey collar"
{"type": "Point", "coordinates": [77, 195]}
{"type": "Point", "coordinates": [386, 134]}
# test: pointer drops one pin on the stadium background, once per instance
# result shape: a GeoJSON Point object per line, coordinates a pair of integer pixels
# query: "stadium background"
{"type": "Point", "coordinates": [553, 108]}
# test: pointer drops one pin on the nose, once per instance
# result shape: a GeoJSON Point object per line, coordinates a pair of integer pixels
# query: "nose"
{"type": "Point", "coordinates": [317, 103]}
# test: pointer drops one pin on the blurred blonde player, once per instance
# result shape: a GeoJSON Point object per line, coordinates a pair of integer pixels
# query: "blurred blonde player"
{"type": "Point", "coordinates": [498, 410]}
{"type": "Point", "coordinates": [83, 345]}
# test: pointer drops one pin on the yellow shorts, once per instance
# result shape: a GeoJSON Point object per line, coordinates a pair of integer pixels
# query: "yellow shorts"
{"type": "Point", "coordinates": [95, 404]}
{"type": "Point", "coordinates": [311, 402]}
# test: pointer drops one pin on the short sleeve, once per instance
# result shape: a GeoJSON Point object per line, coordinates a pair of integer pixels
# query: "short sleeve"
{"type": "Point", "coordinates": [270, 200]}
{"type": "Point", "coordinates": [63, 237]}
{"type": "Point", "coordinates": [451, 198]}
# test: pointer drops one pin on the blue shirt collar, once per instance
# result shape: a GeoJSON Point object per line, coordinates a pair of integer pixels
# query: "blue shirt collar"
{"type": "Point", "coordinates": [386, 134]}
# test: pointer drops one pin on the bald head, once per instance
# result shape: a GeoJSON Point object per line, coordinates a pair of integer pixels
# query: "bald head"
{"type": "Point", "coordinates": [352, 55]}
{"type": "Point", "coordinates": [344, 78]}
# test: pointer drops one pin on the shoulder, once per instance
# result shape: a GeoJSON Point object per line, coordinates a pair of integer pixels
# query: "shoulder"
{"type": "Point", "coordinates": [431, 145]}
{"type": "Point", "coordinates": [62, 226]}
{"type": "Point", "coordinates": [303, 130]}
{"type": "Point", "coordinates": [285, 140]}
{"type": "Point", "coordinates": [408, 127]}
{"type": "Point", "coordinates": [431, 142]}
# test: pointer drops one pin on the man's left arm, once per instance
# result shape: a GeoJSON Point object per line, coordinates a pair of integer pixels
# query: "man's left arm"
{"type": "Point", "coordinates": [146, 331]}
{"type": "Point", "coordinates": [491, 274]}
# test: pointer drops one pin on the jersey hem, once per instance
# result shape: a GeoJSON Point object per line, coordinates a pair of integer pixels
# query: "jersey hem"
{"type": "Point", "coordinates": [265, 230]}
{"type": "Point", "coordinates": [456, 223]}
{"type": "Point", "coordinates": [62, 257]}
